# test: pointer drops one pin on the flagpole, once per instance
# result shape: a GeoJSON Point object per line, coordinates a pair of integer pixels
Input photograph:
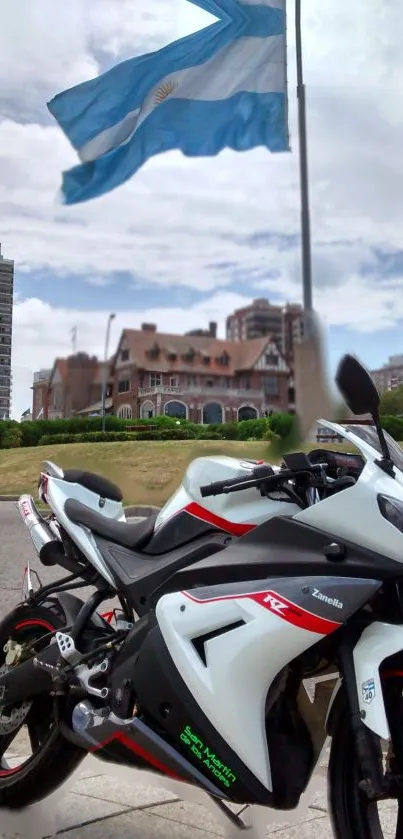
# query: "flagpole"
{"type": "Point", "coordinates": [303, 163]}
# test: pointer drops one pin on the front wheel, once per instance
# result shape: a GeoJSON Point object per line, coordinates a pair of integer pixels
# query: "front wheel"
{"type": "Point", "coordinates": [353, 814]}
{"type": "Point", "coordinates": [35, 758]}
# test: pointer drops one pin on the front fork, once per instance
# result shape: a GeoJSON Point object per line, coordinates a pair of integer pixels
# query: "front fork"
{"type": "Point", "coordinates": [360, 667]}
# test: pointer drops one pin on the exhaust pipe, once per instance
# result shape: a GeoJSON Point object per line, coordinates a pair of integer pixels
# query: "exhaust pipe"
{"type": "Point", "coordinates": [48, 545]}
{"type": "Point", "coordinates": [39, 530]}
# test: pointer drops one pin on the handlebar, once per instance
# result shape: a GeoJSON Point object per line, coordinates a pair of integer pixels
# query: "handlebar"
{"type": "Point", "coordinates": [263, 475]}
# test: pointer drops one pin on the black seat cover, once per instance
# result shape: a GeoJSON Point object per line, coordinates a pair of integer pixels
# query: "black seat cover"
{"type": "Point", "coordinates": [95, 483]}
{"type": "Point", "coordinates": [134, 535]}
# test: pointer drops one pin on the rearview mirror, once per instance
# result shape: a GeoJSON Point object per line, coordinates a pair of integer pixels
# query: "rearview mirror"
{"type": "Point", "coordinates": [356, 386]}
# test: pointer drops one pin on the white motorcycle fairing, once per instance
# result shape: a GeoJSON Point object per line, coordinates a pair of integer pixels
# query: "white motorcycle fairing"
{"type": "Point", "coordinates": [355, 515]}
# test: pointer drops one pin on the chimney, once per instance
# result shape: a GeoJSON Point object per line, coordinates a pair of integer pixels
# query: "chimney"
{"type": "Point", "coordinates": [213, 329]}
{"type": "Point", "coordinates": [148, 327]}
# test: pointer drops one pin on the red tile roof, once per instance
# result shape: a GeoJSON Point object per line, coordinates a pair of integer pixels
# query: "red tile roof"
{"type": "Point", "coordinates": [242, 356]}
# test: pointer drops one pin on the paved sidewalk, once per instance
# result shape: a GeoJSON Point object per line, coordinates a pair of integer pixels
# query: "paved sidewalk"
{"type": "Point", "coordinates": [102, 802]}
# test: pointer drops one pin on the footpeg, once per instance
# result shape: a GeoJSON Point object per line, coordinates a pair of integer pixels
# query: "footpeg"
{"type": "Point", "coordinates": [67, 648]}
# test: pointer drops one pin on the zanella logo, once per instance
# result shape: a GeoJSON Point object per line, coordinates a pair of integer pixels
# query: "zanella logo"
{"type": "Point", "coordinates": [331, 601]}
{"type": "Point", "coordinates": [275, 604]}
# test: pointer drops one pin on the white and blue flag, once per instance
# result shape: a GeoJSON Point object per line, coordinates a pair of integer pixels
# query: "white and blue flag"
{"type": "Point", "coordinates": [222, 87]}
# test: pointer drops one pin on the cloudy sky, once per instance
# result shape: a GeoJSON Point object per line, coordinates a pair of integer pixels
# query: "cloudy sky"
{"type": "Point", "coordinates": [187, 241]}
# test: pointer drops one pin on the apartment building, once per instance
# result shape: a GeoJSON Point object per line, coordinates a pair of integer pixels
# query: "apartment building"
{"type": "Point", "coordinates": [6, 328]}
{"type": "Point", "coordinates": [198, 377]}
{"type": "Point", "coordinates": [262, 318]}
{"type": "Point", "coordinates": [390, 376]}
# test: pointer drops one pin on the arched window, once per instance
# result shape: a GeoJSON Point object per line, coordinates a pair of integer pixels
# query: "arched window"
{"type": "Point", "coordinates": [125, 412]}
{"type": "Point", "coordinates": [176, 409]}
{"type": "Point", "coordinates": [247, 413]}
{"type": "Point", "coordinates": [147, 410]}
{"type": "Point", "coordinates": [212, 413]}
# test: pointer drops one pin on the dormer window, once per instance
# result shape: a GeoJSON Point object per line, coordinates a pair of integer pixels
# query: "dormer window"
{"type": "Point", "coordinates": [154, 352]}
{"type": "Point", "coordinates": [189, 355]}
{"type": "Point", "coordinates": [271, 359]}
{"type": "Point", "coordinates": [206, 359]}
{"type": "Point", "coordinates": [224, 359]}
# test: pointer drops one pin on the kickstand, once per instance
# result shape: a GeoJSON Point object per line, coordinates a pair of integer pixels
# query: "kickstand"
{"type": "Point", "coordinates": [234, 818]}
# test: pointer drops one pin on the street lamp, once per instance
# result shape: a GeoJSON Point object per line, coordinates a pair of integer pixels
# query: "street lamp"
{"type": "Point", "coordinates": [105, 370]}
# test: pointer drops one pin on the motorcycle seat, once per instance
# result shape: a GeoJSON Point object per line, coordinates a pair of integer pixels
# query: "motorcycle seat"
{"type": "Point", "coordinates": [132, 535]}
{"type": "Point", "coordinates": [95, 483]}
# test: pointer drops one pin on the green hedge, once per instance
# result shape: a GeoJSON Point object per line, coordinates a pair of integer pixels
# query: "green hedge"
{"type": "Point", "coordinates": [117, 436]}
{"type": "Point", "coordinates": [394, 426]}
{"type": "Point", "coordinates": [77, 430]}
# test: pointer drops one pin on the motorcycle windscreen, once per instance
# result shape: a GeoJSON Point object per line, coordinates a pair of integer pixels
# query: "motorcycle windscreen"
{"type": "Point", "coordinates": [366, 440]}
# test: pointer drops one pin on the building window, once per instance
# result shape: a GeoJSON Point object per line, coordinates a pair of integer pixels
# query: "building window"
{"type": "Point", "coordinates": [173, 382]}
{"type": "Point", "coordinates": [125, 412]}
{"type": "Point", "coordinates": [191, 381]}
{"type": "Point", "coordinates": [189, 356]}
{"type": "Point", "coordinates": [247, 413]}
{"type": "Point", "coordinates": [124, 386]}
{"type": "Point", "coordinates": [154, 352]}
{"type": "Point", "coordinates": [155, 379]}
{"type": "Point", "coordinates": [270, 385]}
{"type": "Point", "coordinates": [176, 409]}
{"type": "Point", "coordinates": [271, 359]}
{"type": "Point", "coordinates": [147, 410]}
{"type": "Point", "coordinates": [209, 382]}
{"type": "Point", "coordinates": [124, 355]}
{"type": "Point", "coordinates": [212, 413]}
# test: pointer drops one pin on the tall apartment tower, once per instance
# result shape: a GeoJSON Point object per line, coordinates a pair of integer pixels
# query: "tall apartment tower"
{"type": "Point", "coordinates": [6, 327]}
{"type": "Point", "coordinates": [262, 318]}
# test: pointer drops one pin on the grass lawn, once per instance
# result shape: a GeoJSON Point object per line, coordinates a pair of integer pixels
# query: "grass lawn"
{"type": "Point", "coordinates": [147, 472]}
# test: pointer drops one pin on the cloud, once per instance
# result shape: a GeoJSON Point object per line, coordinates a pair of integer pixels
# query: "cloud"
{"type": "Point", "coordinates": [221, 225]}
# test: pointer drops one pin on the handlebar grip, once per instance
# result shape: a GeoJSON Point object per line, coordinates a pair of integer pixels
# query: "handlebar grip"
{"type": "Point", "coordinates": [218, 487]}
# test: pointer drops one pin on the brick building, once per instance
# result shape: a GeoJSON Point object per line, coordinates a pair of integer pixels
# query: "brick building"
{"type": "Point", "coordinates": [198, 377]}
{"type": "Point", "coordinates": [74, 384]}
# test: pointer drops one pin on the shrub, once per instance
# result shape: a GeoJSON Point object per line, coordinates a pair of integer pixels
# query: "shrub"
{"type": "Point", "coordinates": [394, 426]}
{"type": "Point", "coordinates": [283, 425]}
{"type": "Point", "coordinates": [255, 428]}
{"type": "Point", "coordinates": [118, 436]}
{"type": "Point", "coordinates": [205, 434]}
{"type": "Point", "coordinates": [89, 437]}
{"type": "Point", "coordinates": [228, 431]}
{"type": "Point", "coordinates": [11, 437]}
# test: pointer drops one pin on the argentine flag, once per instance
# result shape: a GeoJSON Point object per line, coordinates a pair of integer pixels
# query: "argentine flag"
{"type": "Point", "coordinates": [222, 87]}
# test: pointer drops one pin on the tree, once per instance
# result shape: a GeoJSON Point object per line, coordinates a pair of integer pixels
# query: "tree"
{"type": "Point", "coordinates": [392, 402]}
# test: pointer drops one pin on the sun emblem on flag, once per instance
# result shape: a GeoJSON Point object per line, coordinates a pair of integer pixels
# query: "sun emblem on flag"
{"type": "Point", "coordinates": [164, 91]}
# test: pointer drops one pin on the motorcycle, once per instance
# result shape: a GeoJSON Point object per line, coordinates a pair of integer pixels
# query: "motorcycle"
{"type": "Point", "coordinates": [228, 607]}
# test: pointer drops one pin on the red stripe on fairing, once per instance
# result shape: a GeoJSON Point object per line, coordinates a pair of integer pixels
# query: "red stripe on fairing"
{"type": "Point", "coordinates": [280, 606]}
{"type": "Point", "coordinates": [140, 752]}
{"type": "Point", "coordinates": [235, 528]}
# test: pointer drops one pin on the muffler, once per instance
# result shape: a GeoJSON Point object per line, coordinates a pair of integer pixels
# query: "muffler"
{"type": "Point", "coordinates": [31, 678]}
{"type": "Point", "coordinates": [50, 549]}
